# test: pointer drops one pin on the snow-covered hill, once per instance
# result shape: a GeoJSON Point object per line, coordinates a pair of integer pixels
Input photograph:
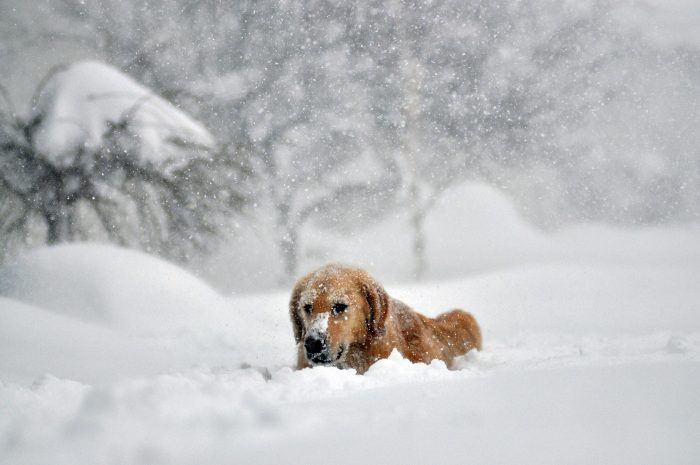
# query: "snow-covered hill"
{"type": "Point", "coordinates": [111, 356]}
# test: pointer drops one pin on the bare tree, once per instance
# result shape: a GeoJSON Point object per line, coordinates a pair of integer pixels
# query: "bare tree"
{"type": "Point", "coordinates": [269, 78]}
{"type": "Point", "coordinates": [424, 83]}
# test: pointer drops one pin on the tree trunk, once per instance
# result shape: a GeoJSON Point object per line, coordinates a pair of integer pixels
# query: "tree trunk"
{"type": "Point", "coordinates": [289, 243]}
{"type": "Point", "coordinates": [54, 228]}
{"type": "Point", "coordinates": [52, 234]}
{"type": "Point", "coordinates": [418, 214]}
{"type": "Point", "coordinates": [58, 226]}
{"type": "Point", "coordinates": [413, 75]}
{"type": "Point", "coordinates": [290, 254]}
{"type": "Point", "coordinates": [421, 262]}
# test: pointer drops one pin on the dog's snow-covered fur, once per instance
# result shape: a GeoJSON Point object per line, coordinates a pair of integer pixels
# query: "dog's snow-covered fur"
{"type": "Point", "coordinates": [342, 317]}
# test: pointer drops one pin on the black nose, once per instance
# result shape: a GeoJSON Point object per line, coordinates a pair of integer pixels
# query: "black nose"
{"type": "Point", "coordinates": [314, 346]}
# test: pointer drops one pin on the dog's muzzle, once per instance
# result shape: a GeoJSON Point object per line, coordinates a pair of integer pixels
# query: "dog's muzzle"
{"type": "Point", "coordinates": [318, 352]}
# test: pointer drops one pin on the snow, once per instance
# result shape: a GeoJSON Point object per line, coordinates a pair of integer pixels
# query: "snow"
{"type": "Point", "coordinates": [98, 282]}
{"type": "Point", "coordinates": [111, 356]}
{"type": "Point", "coordinates": [110, 312]}
{"type": "Point", "coordinates": [571, 112]}
{"type": "Point", "coordinates": [79, 101]}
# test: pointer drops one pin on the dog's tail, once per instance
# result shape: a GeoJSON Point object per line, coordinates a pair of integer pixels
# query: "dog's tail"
{"type": "Point", "coordinates": [468, 331]}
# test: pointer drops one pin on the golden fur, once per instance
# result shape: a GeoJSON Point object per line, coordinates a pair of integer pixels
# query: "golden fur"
{"type": "Point", "coordinates": [373, 324]}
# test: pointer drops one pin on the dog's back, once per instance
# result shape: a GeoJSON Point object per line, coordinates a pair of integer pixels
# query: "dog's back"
{"type": "Point", "coordinates": [445, 337]}
{"type": "Point", "coordinates": [459, 332]}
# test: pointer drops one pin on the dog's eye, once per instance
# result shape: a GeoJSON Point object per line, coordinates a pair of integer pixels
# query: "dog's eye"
{"type": "Point", "coordinates": [339, 308]}
{"type": "Point", "coordinates": [307, 308]}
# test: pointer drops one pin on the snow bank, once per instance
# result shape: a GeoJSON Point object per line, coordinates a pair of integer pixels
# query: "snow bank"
{"type": "Point", "coordinates": [571, 299]}
{"type": "Point", "coordinates": [475, 228]}
{"type": "Point", "coordinates": [78, 102]}
{"type": "Point", "coordinates": [111, 313]}
{"type": "Point", "coordinates": [35, 341]}
{"type": "Point", "coordinates": [98, 282]}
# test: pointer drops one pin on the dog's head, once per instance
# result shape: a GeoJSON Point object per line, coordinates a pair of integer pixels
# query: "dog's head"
{"type": "Point", "coordinates": [335, 308]}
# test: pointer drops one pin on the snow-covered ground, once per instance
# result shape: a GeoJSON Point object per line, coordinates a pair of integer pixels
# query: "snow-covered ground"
{"type": "Point", "coordinates": [110, 356]}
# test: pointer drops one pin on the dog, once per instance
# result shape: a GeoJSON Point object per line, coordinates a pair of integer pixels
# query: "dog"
{"type": "Point", "coordinates": [342, 317]}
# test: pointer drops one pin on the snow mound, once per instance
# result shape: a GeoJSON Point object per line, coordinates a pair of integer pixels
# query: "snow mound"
{"type": "Point", "coordinates": [35, 341]}
{"type": "Point", "coordinates": [99, 313]}
{"type": "Point", "coordinates": [482, 224]}
{"type": "Point", "coordinates": [570, 299]}
{"type": "Point", "coordinates": [78, 103]}
{"type": "Point", "coordinates": [475, 228]}
{"type": "Point", "coordinates": [97, 282]}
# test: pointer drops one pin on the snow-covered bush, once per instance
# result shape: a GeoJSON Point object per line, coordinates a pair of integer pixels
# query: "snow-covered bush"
{"type": "Point", "coordinates": [102, 157]}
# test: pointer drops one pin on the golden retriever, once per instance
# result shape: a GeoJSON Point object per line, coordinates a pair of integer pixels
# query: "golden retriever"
{"type": "Point", "coordinates": [342, 317]}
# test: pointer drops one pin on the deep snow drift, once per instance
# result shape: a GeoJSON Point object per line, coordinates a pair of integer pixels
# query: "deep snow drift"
{"type": "Point", "coordinates": [111, 356]}
{"type": "Point", "coordinates": [97, 313]}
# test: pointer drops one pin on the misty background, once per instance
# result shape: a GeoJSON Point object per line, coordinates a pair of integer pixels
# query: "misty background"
{"type": "Point", "coordinates": [361, 131]}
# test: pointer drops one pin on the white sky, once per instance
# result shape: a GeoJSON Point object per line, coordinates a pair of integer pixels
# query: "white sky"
{"type": "Point", "coordinates": [670, 21]}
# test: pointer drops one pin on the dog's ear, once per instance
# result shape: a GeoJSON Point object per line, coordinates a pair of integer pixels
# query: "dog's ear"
{"type": "Point", "coordinates": [297, 324]}
{"type": "Point", "coordinates": [378, 302]}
